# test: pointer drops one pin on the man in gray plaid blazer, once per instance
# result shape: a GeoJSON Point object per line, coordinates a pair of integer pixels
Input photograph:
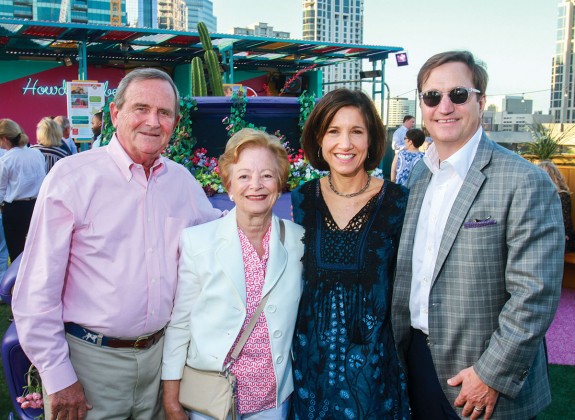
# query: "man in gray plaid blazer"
{"type": "Point", "coordinates": [480, 261]}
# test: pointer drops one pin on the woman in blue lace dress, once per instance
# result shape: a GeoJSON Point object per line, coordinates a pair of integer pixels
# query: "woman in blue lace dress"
{"type": "Point", "coordinates": [405, 159]}
{"type": "Point", "coordinates": [345, 362]}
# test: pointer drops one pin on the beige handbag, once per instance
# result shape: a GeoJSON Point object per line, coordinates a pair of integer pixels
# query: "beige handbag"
{"type": "Point", "coordinates": [213, 393]}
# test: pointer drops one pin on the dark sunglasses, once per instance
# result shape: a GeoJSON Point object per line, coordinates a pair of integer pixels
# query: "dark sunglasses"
{"type": "Point", "coordinates": [458, 96]}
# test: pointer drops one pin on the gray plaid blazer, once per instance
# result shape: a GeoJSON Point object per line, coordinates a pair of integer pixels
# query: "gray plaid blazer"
{"type": "Point", "coordinates": [496, 284]}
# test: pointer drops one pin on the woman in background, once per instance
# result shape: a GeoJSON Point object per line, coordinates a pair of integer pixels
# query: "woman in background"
{"type": "Point", "coordinates": [565, 196]}
{"type": "Point", "coordinates": [49, 137]}
{"type": "Point", "coordinates": [405, 159]}
{"type": "Point", "coordinates": [345, 362]}
{"type": "Point", "coordinates": [22, 171]}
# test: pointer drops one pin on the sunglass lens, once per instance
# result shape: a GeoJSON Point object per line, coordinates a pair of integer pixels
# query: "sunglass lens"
{"type": "Point", "coordinates": [459, 96]}
{"type": "Point", "coordinates": [431, 98]}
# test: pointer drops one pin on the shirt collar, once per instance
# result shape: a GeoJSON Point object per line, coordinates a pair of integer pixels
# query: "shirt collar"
{"type": "Point", "coordinates": [125, 162]}
{"type": "Point", "coordinates": [460, 161]}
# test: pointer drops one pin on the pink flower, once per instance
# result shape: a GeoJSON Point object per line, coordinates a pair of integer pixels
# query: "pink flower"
{"type": "Point", "coordinates": [36, 396]}
{"type": "Point", "coordinates": [20, 400]}
{"type": "Point", "coordinates": [28, 397]}
{"type": "Point", "coordinates": [25, 404]}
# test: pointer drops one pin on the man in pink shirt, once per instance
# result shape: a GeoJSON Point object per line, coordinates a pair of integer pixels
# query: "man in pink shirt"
{"type": "Point", "coordinates": [98, 275]}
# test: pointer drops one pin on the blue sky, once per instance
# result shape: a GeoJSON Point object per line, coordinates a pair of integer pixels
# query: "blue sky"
{"type": "Point", "coordinates": [515, 38]}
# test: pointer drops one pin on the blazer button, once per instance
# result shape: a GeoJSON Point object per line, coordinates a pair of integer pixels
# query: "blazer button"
{"type": "Point", "coordinates": [272, 308]}
{"type": "Point", "coordinates": [279, 359]}
{"type": "Point", "coordinates": [277, 334]}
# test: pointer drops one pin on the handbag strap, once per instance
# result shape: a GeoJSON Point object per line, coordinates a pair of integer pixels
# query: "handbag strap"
{"type": "Point", "coordinates": [254, 319]}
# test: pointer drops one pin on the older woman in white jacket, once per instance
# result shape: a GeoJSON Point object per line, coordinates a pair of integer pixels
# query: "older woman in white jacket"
{"type": "Point", "coordinates": [226, 266]}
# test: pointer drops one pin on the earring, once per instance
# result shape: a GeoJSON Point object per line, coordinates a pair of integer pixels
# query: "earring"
{"type": "Point", "coordinates": [319, 153]}
{"type": "Point", "coordinates": [231, 197]}
{"type": "Point", "coordinates": [368, 154]}
{"type": "Point", "coordinates": [279, 195]}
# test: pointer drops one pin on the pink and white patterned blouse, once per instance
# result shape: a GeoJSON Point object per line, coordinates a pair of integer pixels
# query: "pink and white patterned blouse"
{"type": "Point", "coordinates": [254, 371]}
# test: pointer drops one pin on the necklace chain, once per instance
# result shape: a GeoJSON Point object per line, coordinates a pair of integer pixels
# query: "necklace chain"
{"type": "Point", "coordinates": [352, 194]}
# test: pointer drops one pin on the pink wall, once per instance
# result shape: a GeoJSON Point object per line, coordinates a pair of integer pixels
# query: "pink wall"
{"type": "Point", "coordinates": [28, 99]}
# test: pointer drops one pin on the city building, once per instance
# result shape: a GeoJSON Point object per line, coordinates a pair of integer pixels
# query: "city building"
{"type": "Point", "coordinates": [261, 29]}
{"type": "Point", "coordinates": [142, 13]}
{"type": "Point", "coordinates": [96, 12]}
{"type": "Point", "coordinates": [517, 105]}
{"type": "Point", "coordinates": [338, 21]}
{"type": "Point", "coordinates": [173, 14]}
{"type": "Point", "coordinates": [502, 121]}
{"type": "Point", "coordinates": [563, 73]}
{"type": "Point", "coordinates": [397, 109]}
{"type": "Point", "coordinates": [201, 11]}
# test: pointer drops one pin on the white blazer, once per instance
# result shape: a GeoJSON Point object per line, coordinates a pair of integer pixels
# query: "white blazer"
{"type": "Point", "coordinates": [210, 303]}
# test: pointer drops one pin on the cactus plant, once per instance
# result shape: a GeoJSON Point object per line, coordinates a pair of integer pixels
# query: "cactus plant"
{"type": "Point", "coordinates": [199, 87]}
{"type": "Point", "coordinates": [211, 59]}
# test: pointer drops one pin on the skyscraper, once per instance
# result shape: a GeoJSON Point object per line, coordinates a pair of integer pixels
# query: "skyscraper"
{"type": "Point", "coordinates": [77, 11]}
{"type": "Point", "coordinates": [338, 21]}
{"type": "Point", "coordinates": [563, 73]}
{"type": "Point", "coordinates": [202, 11]}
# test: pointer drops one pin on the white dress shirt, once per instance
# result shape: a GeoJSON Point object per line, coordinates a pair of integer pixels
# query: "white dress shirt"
{"type": "Point", "coordinates": [446, 181]}
{"type": "Point", "coordinates": [398, 141]}
{"type": "Point", "coordinates": [22, 170]}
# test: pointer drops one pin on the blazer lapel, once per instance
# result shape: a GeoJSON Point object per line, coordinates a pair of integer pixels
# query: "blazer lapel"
{"type": "Point", "coordinates": [229, 254]}
{"type": "Point", "coordinates": [277, 260]}
{"type": "Point", "coordinates": [465, 199]}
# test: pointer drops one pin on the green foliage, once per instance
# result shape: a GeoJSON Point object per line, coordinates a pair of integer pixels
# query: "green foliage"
{"type": "Point", "coordinates": [199, 86]}
{"type": "Point", "coordinates": [204, 36]}
{"type": "Point", "coordinates": [108, 129]}
{"type": "Point", "coordinates": [236, 121]}
{"type": "Point", "coordinates": [180, 148]}
{"type": "Point", "coordinates": [546, 141]}
{"type": "Point", "coordinates": [306, 105]}
{"type": "Point", "coordinates": [214, 74]}
{"type": "Point", "coordinates": [212, 62]}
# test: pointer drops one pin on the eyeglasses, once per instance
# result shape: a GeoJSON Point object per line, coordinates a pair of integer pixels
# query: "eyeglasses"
{"type": "Point", "coordinates": [458, 96]}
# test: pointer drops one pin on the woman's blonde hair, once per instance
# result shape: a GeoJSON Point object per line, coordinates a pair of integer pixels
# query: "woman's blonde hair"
{"type": "Point", "coordinates": [555, 175]}
{"type": "Point", "coordinates": [13, 132]}
{"type": "Point", "coordinates": [49, 132]}
{"type": "Point", "coordinates": [249, 138]}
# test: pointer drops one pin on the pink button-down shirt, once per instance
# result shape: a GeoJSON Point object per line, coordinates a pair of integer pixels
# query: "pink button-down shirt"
{"type": "Point", "coordinates": [254, 368]}
{"type": "Point", "coordinates": [102, 252]}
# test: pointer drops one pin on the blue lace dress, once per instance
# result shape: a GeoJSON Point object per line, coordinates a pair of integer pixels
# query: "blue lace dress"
{"type": "Point", "coordinates": [405, 162]}
{"type": "Point", "coordinates": [345, 363]}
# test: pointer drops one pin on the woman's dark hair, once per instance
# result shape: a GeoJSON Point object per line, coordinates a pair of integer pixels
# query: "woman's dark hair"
{"type": "Point", "coordinates": [322, 115]}
{"type": "Point", "coordinates": [416, 136]}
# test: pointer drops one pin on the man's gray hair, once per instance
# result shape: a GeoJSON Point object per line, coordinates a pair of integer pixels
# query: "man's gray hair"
{"type": "Point", "coordinates": [145, 74]}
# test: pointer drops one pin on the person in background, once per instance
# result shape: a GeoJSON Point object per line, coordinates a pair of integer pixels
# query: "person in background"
{"type": "Point", "coordinates": [66, 131]}
{"type": "Point", "coordinates": [565, 196]}
{"type": "Point", "coordinates": [398, 141]}
{"type": "Point", "coordinates": [345, 362]}
{"type": "Point", "coordinates": [405, 159]}
{"type": "Point", "coordinates": [49, 137]}
{"type": "Point", "coordinates": [221, 283]}
{"type": "Point", "coordinates": [97, 129]}
{"type": "Point", "coordinates": [3, 247]}
{"type": "Point", "coordinates": [97, 280]}
{"type": "Point", "coordinates": [22, 170]}
{"type": "Point", "coordinates": [480, 261]}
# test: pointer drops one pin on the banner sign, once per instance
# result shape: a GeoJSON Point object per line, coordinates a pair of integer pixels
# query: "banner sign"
{"type": "Point", "coordinates": [84, 99]}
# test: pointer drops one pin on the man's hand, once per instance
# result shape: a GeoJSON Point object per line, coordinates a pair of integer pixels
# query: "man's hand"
{"type": "Point", "coordinates": [475, 397]}
{"type": "Point", "coordinates": [69, 403]}
{"type": "Point", "coordinates": [170, 401]}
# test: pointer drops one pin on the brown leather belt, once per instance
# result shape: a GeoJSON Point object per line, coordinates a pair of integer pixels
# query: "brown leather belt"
{"type": "Point", "coordinates": [141, 343]}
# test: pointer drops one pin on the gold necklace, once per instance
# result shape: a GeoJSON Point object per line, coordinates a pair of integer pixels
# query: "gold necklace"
{"type": "Point", "coordinates": [348, 195]}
